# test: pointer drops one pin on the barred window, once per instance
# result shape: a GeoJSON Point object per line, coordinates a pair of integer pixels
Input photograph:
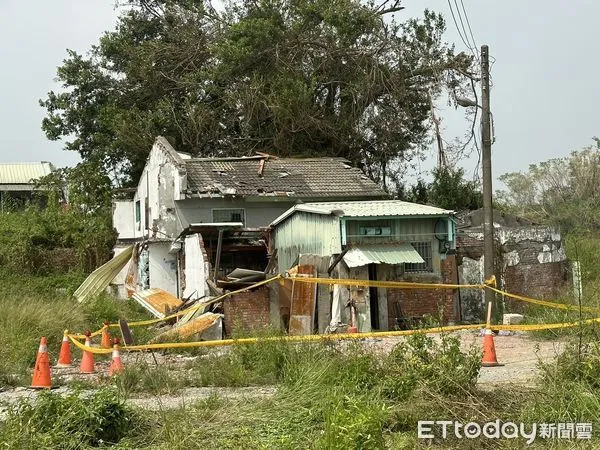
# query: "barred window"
{"type": "Point", "coordinates": [228, 215]}
{"type": "Point", "coordinates": [425, 250]}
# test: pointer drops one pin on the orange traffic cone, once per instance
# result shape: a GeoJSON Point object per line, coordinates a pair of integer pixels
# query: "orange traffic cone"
{"type": "Point", "coordinates": [87, 360]}
{"type": "Point", "coordinates": [116, 365]}
{"type": "Point", "coordinates": [41, 372]}
{"type": "Point", "coordinates": [105, 343]}
{"type": "Point", "coordinates": [489, 350]}
{"type": "Point", "coordinates": [64, 357]}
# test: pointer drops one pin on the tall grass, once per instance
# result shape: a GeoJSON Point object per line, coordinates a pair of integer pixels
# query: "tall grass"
{"type": "Point", "coordinates": [32, 307]}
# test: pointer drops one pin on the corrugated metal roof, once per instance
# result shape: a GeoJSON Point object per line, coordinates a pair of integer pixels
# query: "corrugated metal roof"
{"type": "Point", "coordinates": [100, 278]}
{"type": "Point", "coordinates": [371, 208]}
{"type": "Point", "coordinates": [361, 255]}
{"type": "Point", "coordinates": [23, 173]}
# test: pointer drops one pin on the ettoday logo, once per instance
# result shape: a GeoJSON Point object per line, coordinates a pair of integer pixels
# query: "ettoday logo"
{"type": "Point", "coordinates": [431, 429]}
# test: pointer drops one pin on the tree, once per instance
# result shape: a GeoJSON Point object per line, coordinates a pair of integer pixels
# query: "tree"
{"type": "Point", "coordinates": [449, 190]}
{"type": "Point", "coordinates": [289, 77]}
{"type": "Point", "coordinates": [561, 191]}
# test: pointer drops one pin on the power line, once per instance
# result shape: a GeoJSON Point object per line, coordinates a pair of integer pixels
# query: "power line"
{"type": "Point", "coordinates": [468, 24]}
{"type": "Point", "coordinates": [457, 27]}
{"type": "Point", "coordinates": [462, 26]}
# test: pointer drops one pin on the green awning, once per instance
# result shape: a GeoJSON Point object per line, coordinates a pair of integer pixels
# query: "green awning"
{"type": "Point", "coordinates": [361, 255]}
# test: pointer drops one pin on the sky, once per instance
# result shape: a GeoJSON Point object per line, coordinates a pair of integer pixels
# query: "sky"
{"type": "Point", "coordinates": [544, 74]}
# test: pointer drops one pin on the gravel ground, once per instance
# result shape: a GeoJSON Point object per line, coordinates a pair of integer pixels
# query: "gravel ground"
{"type": "Point", "coordinates": [518, 355]}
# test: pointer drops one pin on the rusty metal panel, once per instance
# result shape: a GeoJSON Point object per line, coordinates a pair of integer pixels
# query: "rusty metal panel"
{"type": "Point", "coordinates": [302, 311]}
{"type": "Point", "coordinates": [197, 326]}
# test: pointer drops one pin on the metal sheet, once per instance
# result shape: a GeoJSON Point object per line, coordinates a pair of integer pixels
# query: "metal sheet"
{"type": "Point", "coordinates": [100, 278]}
{"type": "Point", "coordinates": [362, 255]}
{"type": "Point", "coordinates": [156, 301]}
{"type": "Point", "coordinates": [197, 326]}
{"type": "Point", "coordinates": [23, 173]}
{"type": "Point", "coordinates": [371, 208]}
{"type": "Point", "coordinates": [303, 304]}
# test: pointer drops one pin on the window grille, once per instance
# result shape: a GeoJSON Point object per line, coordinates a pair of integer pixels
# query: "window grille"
{"type": "Point", "coordinates": [425, 250]}
{"type": "Point", "coordinates": [228, 215]}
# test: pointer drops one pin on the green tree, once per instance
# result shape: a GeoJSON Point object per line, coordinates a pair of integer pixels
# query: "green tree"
{"type": "Point", "coordinates": [450, 190]}
{"type": "Point", "coordinates": [289, 77]}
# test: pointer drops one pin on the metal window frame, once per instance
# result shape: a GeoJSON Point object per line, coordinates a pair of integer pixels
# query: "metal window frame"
{"type": "Point", "coordinates": [427, 266]}
{"type": "Point", "coordinates": [212, 213]}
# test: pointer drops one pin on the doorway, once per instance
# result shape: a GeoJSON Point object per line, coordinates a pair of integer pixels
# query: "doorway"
{"type": "Point", "coordinates": [373, 297]}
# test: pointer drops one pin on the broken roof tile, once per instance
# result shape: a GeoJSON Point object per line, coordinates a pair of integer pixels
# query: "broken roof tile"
{"type": "Point", "coordinates": [313, 177]}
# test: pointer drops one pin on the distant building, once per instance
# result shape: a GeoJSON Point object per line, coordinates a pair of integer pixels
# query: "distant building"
{"type": "Point", "coordinates": [17, 184]}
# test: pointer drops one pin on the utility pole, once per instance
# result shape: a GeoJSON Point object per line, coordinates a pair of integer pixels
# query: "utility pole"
{"type": "Point", "coordinates": [486, 143]}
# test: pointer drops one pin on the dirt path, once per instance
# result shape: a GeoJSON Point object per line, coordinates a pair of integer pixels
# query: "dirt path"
{"type": "Point", "coordinates": [519, 355]}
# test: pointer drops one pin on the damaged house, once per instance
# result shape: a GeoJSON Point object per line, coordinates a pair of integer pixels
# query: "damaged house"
{"type": "Point", "coordinates": [530, 260]}
{"type": "Point", "coordinates": [194, 220]}
{"type": "Point", "coordinates": [375, 240]}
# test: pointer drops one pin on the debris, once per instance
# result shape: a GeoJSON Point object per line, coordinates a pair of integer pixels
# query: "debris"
{"type": "Point", "coordinates": [208, 326]}
{"type": "Point", "coordinates": [240, 278]}
{"type": "Point", "coordinates": [100, 278]}
{"type": "Point", "coordinates": [156, 301]}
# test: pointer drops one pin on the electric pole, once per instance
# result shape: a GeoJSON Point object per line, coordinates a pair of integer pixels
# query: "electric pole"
{"type": "Point", "coordinates": [486, 154]}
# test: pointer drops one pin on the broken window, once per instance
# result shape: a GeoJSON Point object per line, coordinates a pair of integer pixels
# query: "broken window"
{"type": "Point", "coordinates": [229, 215]}
{"type": "Point", "coordinates": [138, 214]}
{"type": "Point", "coordinates": [425, 250]}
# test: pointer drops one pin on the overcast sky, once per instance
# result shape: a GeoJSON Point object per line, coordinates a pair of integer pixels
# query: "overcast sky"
{"type": "Point", "coordinates": [543, 99]}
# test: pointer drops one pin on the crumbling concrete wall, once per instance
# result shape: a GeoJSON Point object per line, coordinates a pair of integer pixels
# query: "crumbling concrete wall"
{"type": "Point", "coordinates": [530, 261]}
{"type": "Point", "coordinates": [162, 182]}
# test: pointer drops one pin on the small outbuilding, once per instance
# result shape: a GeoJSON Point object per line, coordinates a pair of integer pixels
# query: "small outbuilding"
{"type": "Point", "coordinates": [376, 240]}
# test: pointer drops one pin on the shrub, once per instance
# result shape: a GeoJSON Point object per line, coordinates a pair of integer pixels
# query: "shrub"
{"type": "Point", "coordinates": [441, 367]}
{"type": "Point", "coordinates": [69, 422]}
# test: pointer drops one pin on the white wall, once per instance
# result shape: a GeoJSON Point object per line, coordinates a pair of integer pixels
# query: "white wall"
{"type": "Point", "coordinates": [162, 183]}
{"type": "Point", "coordinates": [163, 267]}
{"type": "Point", "coordinates": [196, 269]}
{"type": "Point", "coordinates": [123, 219]}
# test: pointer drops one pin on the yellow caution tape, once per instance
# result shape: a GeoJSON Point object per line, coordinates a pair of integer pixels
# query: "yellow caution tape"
{"type": "Point", "coordinates": [330, 337]}
{"type": "Point", "coordinates": [384, 284]}
{"type": "Point", "coordinates": [140, 323]}
{"type": "Point", "coordinates": [545, 303]}
{"type": "Point", "coordinates": [489, 284]}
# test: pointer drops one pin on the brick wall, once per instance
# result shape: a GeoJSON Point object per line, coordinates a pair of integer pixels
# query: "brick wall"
{"type": "Point", "coordinates": [420, 302]}
{"type": "Point", "coordinates": [535, 280]}
{"type": "Point", "coordinates": [247, 310]}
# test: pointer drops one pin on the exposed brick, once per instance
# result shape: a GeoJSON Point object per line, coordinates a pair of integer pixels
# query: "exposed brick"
{"type": "Point", "coordinates": [247, 310]}
{"type": "Point", "coordinates": [535, 280]}
{"type": "Point", "coordinates": [421, 302]}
